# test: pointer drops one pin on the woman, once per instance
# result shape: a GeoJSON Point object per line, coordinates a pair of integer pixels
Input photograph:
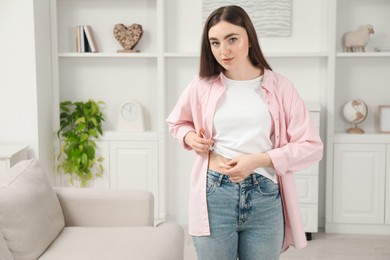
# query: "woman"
{"type": "Point", "coordinates": [250, 131]}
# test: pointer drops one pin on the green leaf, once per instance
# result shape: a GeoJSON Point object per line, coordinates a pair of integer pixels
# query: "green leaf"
{"type": "Point", "coordinates": [65, 103]}
{"type": "Point", "coordinates": [91, 152]}
{"type": "Point", "coordinates": [84, 137]}
{"type": "Point", "coordinates": [80, 121]}
{"type": "Point", "coordinates": [84, 158]}
{"type": "Point", "coordinates": [94, 121]}
{"type": "Point", "coordinates": [93, 133]}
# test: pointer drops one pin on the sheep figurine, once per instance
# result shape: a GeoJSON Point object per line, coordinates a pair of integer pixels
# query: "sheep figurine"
{"type": "Point", "coordinates": [357, 40]}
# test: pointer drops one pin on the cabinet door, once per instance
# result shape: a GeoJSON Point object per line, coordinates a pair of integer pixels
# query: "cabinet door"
{"type": "Point", "coordinates": [134, 164]}
{"type": "Point", "coordinates": [387, 206]}
{"type": "Point", "coordinates": [307, 188]}
{"type": "Point", "coordinates": [310, 217]}
{"type": "Point", "coordinates": [359, 183]}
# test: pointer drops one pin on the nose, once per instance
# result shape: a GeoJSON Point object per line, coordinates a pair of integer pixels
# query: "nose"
{"type": "Point", "coordinates": [225, 49]}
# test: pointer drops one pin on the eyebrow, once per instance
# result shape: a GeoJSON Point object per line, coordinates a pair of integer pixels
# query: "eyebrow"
{"type": "Point", "coordinates": [227, 36]}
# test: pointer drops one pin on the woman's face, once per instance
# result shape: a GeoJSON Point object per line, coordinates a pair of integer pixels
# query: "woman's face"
{"type": "Point", "coordinates": [229, 45]}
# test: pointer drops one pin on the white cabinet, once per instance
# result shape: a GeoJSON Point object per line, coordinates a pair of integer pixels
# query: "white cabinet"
{"type": "Point", "coordinates": [357, 184]}
{"type": "Point", "coordinates": [358, 194]}
{"type": "Point", "coordinates": [134, 164]}
{"type": "Point", "coordinates": [307, 183]}
{"type": "Point", "coordinates": [10, 154]}
{"type": "Point", "coordinates": [387, 205]}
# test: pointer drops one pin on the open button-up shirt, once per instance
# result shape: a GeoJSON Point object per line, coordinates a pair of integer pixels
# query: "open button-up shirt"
{"type": "Point", "coordinates": [296, 145]}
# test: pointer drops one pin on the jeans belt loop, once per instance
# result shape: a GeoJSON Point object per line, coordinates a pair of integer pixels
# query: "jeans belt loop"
{"type": "Point", "coordinates": [254, 179]}
{"type": "Point", "coordinates": [219, 180]}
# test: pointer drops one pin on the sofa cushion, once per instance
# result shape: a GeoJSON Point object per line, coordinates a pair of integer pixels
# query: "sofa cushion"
{"type": "Point", "coordinates": [119, 243]}
{"type": "Point", "coordinates": [4, 251]}
{"type": "Point", "coordinates": [30, 214]}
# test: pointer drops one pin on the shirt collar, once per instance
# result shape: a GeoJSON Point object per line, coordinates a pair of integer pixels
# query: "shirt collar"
{"type": "Point", "coordinates": [215, 78]}
{"type": "Point", "coordinates": [267, 81]}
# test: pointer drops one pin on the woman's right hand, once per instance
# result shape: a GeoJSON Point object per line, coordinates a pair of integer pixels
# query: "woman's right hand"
{"type": "Point", "coordinates": [198, 143]}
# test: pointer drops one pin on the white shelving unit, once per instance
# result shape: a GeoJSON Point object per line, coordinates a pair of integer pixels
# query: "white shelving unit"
{"type": "Point", "coordinates": [116, 77]}
{"type": "Point", "coordinates": [156, 76]}
{"type": "Point", "coordinates": [357, 166]}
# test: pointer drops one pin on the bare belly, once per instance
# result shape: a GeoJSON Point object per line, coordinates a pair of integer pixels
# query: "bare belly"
{"type": "Point", "coordinates": [215, 161]}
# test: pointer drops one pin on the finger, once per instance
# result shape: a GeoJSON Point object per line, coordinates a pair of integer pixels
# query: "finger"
{"type": "Point", "coordinates": [201, 147]}
{"type": "Point", "coordinates": [225, 166]}
{"type": "Point", "coordinates": [235, 179]}
{"type": "Point", "coordinates": [201, 132]}
{"type": "Point", "coordinates": [232, 162]}
{"type": "Point", "coordinates": [202, 139]}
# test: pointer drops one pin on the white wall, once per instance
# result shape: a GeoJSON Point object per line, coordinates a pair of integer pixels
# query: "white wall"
{"type": "Point", "coordinates": [25, 81]}
{"type": "Point", "coordinates": [18, 97]}
{"type": "Point", "coordinates": [44, 89]}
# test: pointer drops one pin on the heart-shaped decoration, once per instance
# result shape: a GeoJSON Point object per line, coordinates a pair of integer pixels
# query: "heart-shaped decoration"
{"type": "Point", "coordinates": [128, 37]}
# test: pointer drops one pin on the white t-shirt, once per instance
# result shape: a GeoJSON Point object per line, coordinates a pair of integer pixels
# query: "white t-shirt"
{"type": "Point", "coordinates": [242, 122]}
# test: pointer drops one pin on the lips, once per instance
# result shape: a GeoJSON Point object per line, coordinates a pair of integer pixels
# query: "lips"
{"type": "Point", "coordinates": [227, 60]}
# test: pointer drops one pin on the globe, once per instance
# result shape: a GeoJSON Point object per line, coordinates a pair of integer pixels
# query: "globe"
{"type": "Point", "coordinates": [354, 112]}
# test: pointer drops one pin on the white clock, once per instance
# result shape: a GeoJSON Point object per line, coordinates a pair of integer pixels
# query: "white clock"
{"type": "Point", "coordinates": [130, 117]}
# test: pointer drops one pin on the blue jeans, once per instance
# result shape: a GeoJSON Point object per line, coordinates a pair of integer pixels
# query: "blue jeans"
{"type": "Point", "coordinates": [246, 219]}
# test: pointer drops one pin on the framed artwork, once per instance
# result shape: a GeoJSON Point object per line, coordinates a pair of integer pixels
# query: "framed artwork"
{"type": "Point", "coordinates": [384, 119]}
{"type": "Point", "coordinates": [270, 18]}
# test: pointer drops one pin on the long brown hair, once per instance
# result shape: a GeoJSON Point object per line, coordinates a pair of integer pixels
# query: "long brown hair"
{"type": "Point", "coordinates": [235, 15]}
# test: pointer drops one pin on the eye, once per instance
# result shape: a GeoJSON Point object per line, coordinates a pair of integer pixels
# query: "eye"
{"type": "Point", "coordinates": [233, 39]}
{"type": "Point", "coordinates": [214, 43]}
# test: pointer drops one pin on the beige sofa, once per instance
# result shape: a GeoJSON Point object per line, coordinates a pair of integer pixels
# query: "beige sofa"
{"type": "Point", "coordinates": [39, 222]}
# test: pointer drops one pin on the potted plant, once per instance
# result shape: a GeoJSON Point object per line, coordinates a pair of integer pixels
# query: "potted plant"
{"type": "Point", "coordinates": [80, 124]}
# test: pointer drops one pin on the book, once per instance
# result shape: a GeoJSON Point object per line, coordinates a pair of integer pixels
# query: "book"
{"type": "Point", "coordinates": [78, 38]}
{"type": "Point", "coordinates": [87, 47]}
{"type": "Point", "coordinates": [81, 36]}
{"type": "Point", "coordinates": [90, 40]}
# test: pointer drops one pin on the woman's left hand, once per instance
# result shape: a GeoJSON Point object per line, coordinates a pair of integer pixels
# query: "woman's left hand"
{"type": "Point", "coordinates": [240, 167]}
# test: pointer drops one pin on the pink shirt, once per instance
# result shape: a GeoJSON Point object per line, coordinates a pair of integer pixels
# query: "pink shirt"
{"type": "Point", "coordinates": [296, 142]}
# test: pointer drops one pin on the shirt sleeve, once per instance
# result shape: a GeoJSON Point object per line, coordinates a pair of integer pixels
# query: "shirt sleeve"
{"type": "Point", "coordinates": [300, 144]}
{"type": "Point", "coordinates": [181, 119]}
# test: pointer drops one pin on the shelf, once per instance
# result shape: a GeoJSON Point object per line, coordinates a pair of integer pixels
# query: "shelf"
{"type": "Point", "coordinates": [362, 54]}
{"type": "Point", "coordinates": [106, 55]}
{"type": "Point", "coordinates": [112, 135]}
{"type": "Point", "coordinates": [267, 55]}
{"type": "Point", "coordinates": [296, 54]}
{"type": "Point", "coordinates": [360, 138]}
{"type": "Point", "coordinates": [181, 55]}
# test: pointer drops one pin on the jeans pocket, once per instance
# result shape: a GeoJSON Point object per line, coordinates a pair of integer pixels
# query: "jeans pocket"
{"type": "Point", "coordinates": [212, 184]}
{"type": "Point", "coordinates": [267, 187]}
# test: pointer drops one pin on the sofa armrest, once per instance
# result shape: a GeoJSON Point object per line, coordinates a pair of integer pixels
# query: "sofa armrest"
{"type": "Point", "coordinates": [171, 240]}
{"type": "Point", "coordinates": [88, 207]}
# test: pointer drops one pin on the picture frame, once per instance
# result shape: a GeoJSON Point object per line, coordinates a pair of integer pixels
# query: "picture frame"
{"type": "Point", "coordinates": [270, 18]}
{"type": "Point", "coordinates": [384, 119]}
